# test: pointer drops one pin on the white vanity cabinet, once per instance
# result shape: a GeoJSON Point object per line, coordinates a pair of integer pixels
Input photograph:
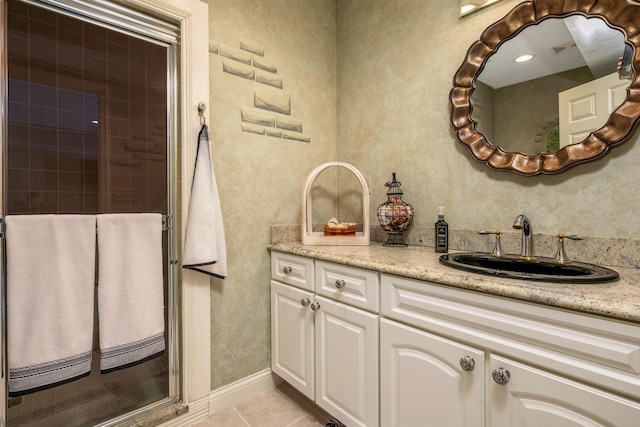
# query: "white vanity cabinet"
{"type": "Point", "coordinates": [347, 363]}
{"type": "Point", "coordinates": [534, 365]}
{"type": "Point", "coordinates": [426, 380]}
{"type": "Point", "coordinates": [536, 397]}
{"type": "Point", "coordinates": [376, 349]}
{"type": "Point", "coordinates": [325, 341]}
{"type": "Point", "coordinates": [292, 336]}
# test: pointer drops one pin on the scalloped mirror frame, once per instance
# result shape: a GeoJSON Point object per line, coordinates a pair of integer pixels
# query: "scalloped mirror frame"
{"type": "Point", "coordinates": [619, 14]}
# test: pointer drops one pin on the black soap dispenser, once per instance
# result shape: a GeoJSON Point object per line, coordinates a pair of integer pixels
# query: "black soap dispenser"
{"type": "Point", "coordinates": [442, 233]}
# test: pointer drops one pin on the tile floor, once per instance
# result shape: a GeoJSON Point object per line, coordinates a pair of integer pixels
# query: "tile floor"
{"type": "Point", "coordinates": [282, 406]}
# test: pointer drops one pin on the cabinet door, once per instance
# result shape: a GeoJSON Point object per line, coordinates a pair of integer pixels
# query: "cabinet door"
{"type": "Point", "coordinates": [347, 363]}
{"type": "Point", "coordinates": [292, 355]}
{"type": "Point", "coordinates": [422, 382]}
{"type": "Point", "coordinates": [533, 397]}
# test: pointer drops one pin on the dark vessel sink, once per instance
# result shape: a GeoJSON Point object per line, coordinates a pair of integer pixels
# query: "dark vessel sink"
{"type": "Point", "coordinates": [540, 269]}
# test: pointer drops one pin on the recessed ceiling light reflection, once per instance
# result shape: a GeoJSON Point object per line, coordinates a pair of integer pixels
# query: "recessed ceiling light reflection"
{"type": "Point", "coordinates": [523, 58]}
{"type": "Point", "coordinates": [467, 8]}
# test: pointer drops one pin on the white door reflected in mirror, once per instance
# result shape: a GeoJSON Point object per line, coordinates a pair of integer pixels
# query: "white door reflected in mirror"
{"type": "Point", "coordinates": [585, 108]}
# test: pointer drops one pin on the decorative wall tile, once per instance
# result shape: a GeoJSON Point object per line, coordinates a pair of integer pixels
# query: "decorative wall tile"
{"type": "Point", "coordinates": [272, 100]}
{"type": "Point", "coordinates": [295, 137]}
{"type": "Point", "coordinates": [236, 54]}
{"type": "Point", "coordinates": [258, 117]}
{"type": "Point", "coordinates": [239, 69]}
{"type": "Point", "coordinates": [252, 129]}
{"type": "Point", "coordinates": [265, 64]}
{"type": "Point", "coordinates": [268, 79]}
{"type": "Point", "coordinates": [271, 108]}
{"type": "Point", "coordinates": [251, 47]}
{"type": "Point", "coordinates": [289, 123]}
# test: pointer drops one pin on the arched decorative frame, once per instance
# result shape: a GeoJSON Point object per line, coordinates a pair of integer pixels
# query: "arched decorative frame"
{"type": "Point", "coordinates": [623, 15]}
{"type": "Point", "coordinates": [310, 237]}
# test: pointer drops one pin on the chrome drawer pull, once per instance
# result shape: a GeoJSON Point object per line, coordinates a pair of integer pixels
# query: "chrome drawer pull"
{"type": "Point", "coordinates": [315, 306]}
{"type": "Point", "coordinates": [305, 302]}
{"type": "Point", "coordinates": [287, 270]}
{"type": "Point", "coordinates": [340, 284]}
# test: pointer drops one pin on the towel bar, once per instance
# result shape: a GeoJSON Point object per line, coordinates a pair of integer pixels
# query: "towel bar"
{"type": "Point", "coordinates": [166, 225]}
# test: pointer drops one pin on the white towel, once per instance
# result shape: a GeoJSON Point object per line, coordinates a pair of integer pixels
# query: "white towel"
{"type": "Point", "coordinates": [50, 291]}
{"type": "Point", "coordinates": [130, 289]}
{"type": "Point", "coordinates": [205, 248]}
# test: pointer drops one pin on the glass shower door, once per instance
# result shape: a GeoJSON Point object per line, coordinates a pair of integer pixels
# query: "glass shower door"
{"type": "Point", "coordinates": [87, 133]}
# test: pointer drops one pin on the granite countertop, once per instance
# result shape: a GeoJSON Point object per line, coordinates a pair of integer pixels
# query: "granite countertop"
{"type": "Point", "coordinates": [619, 300]}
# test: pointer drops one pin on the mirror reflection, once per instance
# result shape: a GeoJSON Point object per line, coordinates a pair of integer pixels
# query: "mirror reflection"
{"type": "Point", "coordinates": [551, 85]}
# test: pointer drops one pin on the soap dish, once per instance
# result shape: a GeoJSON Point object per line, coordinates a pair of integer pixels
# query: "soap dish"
{"type": "Point", "coordinates": [340, 231]}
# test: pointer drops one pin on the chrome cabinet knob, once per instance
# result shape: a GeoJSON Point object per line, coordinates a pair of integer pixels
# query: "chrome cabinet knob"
{"type": "Point", "coordinates": [467, 363]}
{"type": "Point", "coordinates": [305, 302]}
{"type": "Point", "coordinates": [286, 270]}
{"type": "Point", "coordinates": [501, 376]}
{"type": "Point", "coordinates": [315, 306]}
{"type": "Point", "coordinates": [340, 284]}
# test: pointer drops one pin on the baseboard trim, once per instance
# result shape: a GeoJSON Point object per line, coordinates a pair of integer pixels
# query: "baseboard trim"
{"type": "Point", "coordinates": [246, 388]}
{"type": "Point", "coordinates": [226, 397]}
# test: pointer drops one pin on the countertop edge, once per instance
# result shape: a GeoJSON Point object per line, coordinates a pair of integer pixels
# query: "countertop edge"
{"type": "Point", "coordinates": [618, 300]}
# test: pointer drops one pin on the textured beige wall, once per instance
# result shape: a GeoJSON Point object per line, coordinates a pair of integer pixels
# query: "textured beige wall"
{"type": "Point", "coordinates": [260, 178]}
{"type": "Point", "coordinates": [396, 60]}
{"type": "Point", "coordinates": [394, 67]}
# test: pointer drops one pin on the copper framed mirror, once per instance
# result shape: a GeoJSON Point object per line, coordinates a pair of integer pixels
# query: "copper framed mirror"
{"type": "Point", "coordinates": [620, 17]}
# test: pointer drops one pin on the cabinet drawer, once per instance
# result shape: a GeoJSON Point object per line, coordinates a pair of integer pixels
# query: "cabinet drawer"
{"type": "Point", "coordinates": [354, 286]}
{"type": "Point", "coordinates": [595, 349]}
{"type": "Point", "coordinates": [292, 269]}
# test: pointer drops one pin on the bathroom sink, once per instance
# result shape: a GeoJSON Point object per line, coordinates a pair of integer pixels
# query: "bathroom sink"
{"type": "Point", "coordinates": [540, 268]}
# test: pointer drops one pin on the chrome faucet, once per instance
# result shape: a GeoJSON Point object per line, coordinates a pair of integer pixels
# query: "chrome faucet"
{"type": "Point", "coordinates": [526, 248]}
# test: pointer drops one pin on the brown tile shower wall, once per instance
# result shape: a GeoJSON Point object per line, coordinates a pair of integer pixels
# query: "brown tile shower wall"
{"type": "Point", "coordinates": [86, 117]}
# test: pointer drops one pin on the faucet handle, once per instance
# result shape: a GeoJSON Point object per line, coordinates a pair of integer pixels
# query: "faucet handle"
{"type": "Point", "coordinates": [497, 248]}
{"type": "Point", "coordinates": [561, 256]}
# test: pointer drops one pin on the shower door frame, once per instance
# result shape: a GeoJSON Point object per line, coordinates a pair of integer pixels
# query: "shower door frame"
{"type": "Point", "coordinates": [189, 375]}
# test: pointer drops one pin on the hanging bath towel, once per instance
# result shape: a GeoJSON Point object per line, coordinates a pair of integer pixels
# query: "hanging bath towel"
{"type": "Point", "coordinates": [130, 289]}
{"type": "Point", "coordinates": [205, 248]}
{"type": "Point", "coordinates": [50, 291]}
